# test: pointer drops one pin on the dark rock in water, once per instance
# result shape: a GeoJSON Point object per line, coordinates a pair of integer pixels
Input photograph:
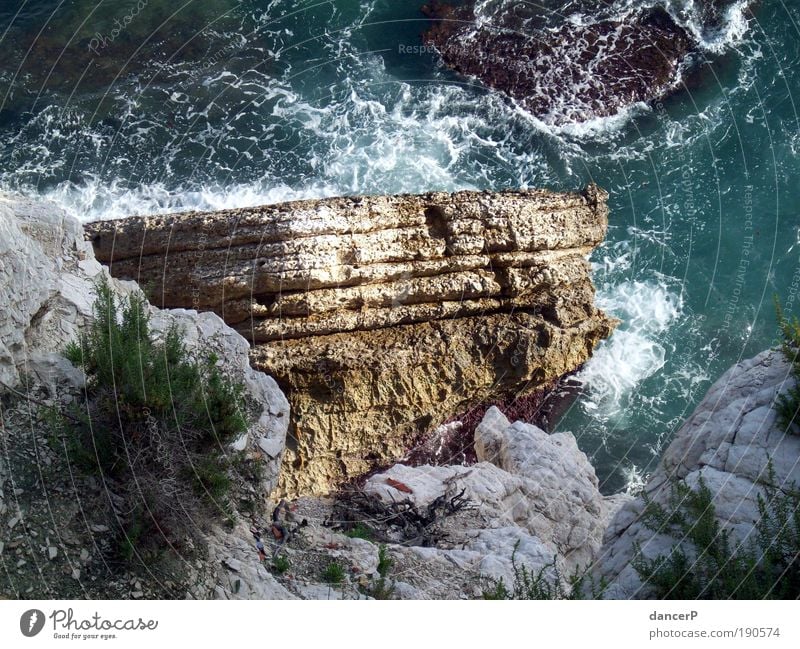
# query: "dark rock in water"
{"type": "Point", "coordinates": [571, 73]}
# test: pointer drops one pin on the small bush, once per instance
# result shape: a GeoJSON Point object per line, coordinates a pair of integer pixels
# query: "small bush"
{"type": "Point", "coordinates": [383, 588]}
{"type": "Point", "coordinates": [359, 531]}
{"type": "Point", "coordinates": [385, 562]}
{"type": "Point", "coordinates": [211, 479]}
{"type": "Point", "coordinates": [152, 423]}
{"type": "Point", "coordinates": [280, 564]}
{"type": "Point", "coordinates": [333, 573]}
{"type": "Point", "coordinates": [706, 563]}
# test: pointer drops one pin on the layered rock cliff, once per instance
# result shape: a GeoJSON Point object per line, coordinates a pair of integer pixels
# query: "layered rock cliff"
{"type": "Point", "coordinates": [380, 317]}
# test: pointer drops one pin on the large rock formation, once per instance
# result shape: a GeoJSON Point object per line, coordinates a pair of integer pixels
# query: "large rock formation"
{"type": "Point", "coordinates": [569, 72]}
{"type": "Point", "coordinates": [382, 316]}
{"type": "Point", "coordinates": [728, 442]}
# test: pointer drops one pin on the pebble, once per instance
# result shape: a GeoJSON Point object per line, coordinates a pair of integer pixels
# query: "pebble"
{"type": "Point", "coordinates": [137, 594]}
{"type": "Point", "coordinates": [76, 574]}
{"type": "Point", "coordinates": [13, 522]}
{"type": "Point", "coordinates": [98, 528]}
{"type": "Point", "coordinates": [84, 554]}
{"type": "Point", "coordinates": [52, 552]}
{"type": "Point", "coordinates": [2, 547]}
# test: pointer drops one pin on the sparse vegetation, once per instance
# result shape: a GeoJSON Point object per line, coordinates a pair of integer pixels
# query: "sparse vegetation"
{"type": "Point", "coordinates": [545, 584]}
{"type": "Point", "coordinates": [280, 564]}
{"type": "Point", "coordinates": [383, 588]}
{"type": "Point", "coordinates": [708, 563]}
{"type": "Point", "coordinates": [787, 404]}
{"type": "Point", "coordinates": [360, 531]}
{"type": "Point", "coordinates": [333, 573]}
{"type": "Point", "coordinates": [152, 424]}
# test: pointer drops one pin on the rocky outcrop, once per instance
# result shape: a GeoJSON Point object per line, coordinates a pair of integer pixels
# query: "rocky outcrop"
{"type": "Point", "coordinates": [568, 73]}
{"type": "Point", "coordinates": [57, 534]}
{"type": "Point", "coordinates": [45, 289]}
{"type": "Point", "coordinates": [382, 316]}
{"type": "Point", "coordinates": [528, 485]}
{"type": "Point", "coordinates": [532, 499]}
{"type": "Point", "coordinates": [728, 442]}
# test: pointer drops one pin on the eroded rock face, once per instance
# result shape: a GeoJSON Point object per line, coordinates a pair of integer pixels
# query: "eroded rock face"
{"type": "Point", "coordinates": [382, 316]}
{"type": "Point", "coordinates": [728, 442]}
{"type": "Point", "coordinates": [565, 74]}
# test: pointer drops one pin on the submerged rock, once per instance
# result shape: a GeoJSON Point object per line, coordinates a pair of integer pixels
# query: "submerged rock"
{"type": "Point", "coordinates": [570, 73]}
{"type": "Point", "coordinates": [382, 316]}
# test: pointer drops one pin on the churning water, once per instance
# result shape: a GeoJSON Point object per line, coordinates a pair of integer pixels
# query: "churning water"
{"type": "Point", "coordinates": [114, 108]}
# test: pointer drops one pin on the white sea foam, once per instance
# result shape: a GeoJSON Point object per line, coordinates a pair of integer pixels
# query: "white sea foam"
{"type": "Point", "coordinates": [714, 39]}
{"type": "Point", "coordinates": [96, 200]}
{"type": "Point", "coordinates": [636, 351]}
{"type": "Point", "coordinates": [635, 480]}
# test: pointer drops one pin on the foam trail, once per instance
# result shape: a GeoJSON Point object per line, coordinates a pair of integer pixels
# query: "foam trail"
{"type": "Point", "coordinates": [634, 352]}
{"type": "Point", "coordinates": [97, 200]}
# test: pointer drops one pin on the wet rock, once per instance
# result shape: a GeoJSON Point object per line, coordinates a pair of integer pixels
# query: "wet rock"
{"type": "Point", "coordinates": [566, 74]}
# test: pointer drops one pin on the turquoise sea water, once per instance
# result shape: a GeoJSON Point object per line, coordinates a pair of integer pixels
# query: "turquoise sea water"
{"type": "Point", "coordinates": [128, 107]}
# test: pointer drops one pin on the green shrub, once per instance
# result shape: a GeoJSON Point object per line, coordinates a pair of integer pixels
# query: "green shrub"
{"type": "Point", "coordinates": [211, 478]}
{"type": "Point", "coordinates": [152, 423]}
{"type": "Point", "coordinates": [383, 588]}
{"type": "Point", "coordinates": [280, 564]}
{"type": "Point", "coordinates": [359, 531]}
{"type": "Point", "coordinates": [707, 563]}
{"type": "Point", "coordinates": [787, 404]}
{"type": "Point", "coordinates": [385, 562]}
{"type": "Point", "coordinates": [333, 573]}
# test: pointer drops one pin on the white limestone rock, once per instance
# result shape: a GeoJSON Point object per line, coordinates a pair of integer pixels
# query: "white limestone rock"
{"type": "Point", "coordinates": [235, 569]}
{"type": "Point", "coordinates": [532, 491]}
{"type": "Point", "coordinates": [729, 442]}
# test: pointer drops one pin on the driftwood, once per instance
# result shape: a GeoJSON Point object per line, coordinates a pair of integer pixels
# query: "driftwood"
{"type": "Point", "coordinates": [398, 521]}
